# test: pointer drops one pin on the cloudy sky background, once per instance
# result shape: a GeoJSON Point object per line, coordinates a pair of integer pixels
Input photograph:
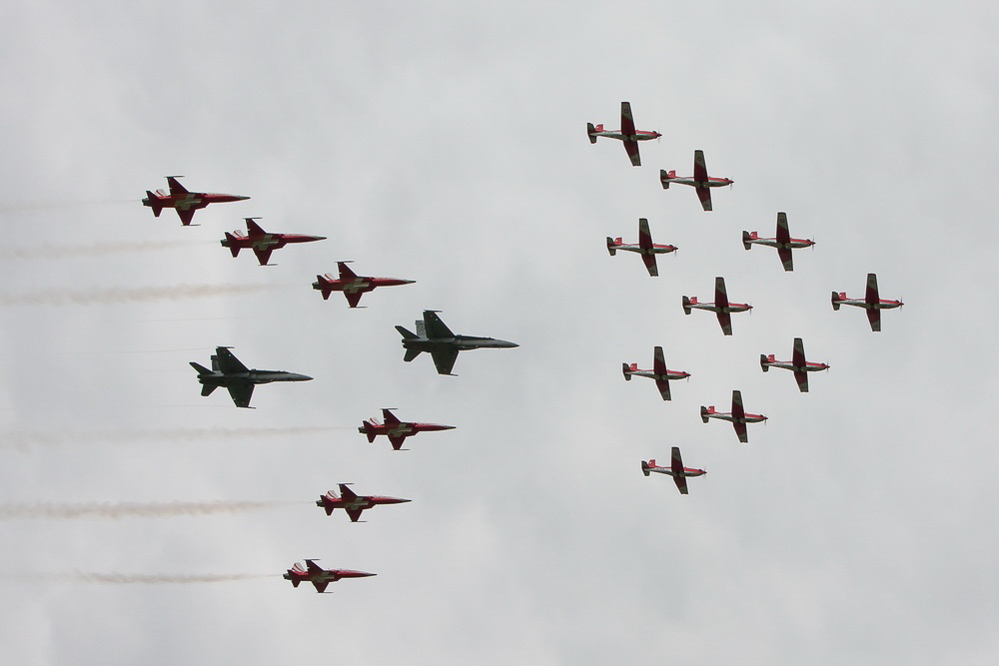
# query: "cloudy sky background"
{"type": "Point", "coordinates": [446, 143]}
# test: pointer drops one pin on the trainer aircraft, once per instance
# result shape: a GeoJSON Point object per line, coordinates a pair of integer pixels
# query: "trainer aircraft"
{"type": "Point", "coordinates": [872, 302]}
{"type": "Point", "coordinates": [676, 470]}
{"type": "Point", "coordinates": [627, 134]}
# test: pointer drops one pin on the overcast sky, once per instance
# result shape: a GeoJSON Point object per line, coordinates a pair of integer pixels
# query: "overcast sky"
{"type": "Point", "coordinates": [445, 143]}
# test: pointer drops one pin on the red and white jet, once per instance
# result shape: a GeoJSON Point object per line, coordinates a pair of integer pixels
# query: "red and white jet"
{"type": "Point", "coordinates": [646, 248]}
{"type": "Point", "coordinates": [353, 503]}
{"type": "Point", "coordinates": [261, 242]}
{"type": "Point", "coordinates": [183, 201]}
{"type": "Point", "coordinates": [397, 431]}
{"type": "Point", "coordinates": [738, 416]}
{"type": "Point", "coordinates": [676, 470]}
{"type": "Point", "coordinates": [721, 307]}
{"type": "Point", "coordinates": [315, 574]}
{"type": "Point", "coordinates": [871, 302]}
{"type": "Point", "coordinates": [659, 372]}
{"type": "Point", "coordinates": [783, 242]}
{"type": "Point", "coordinates": [798, 365]}
{"type": "Point", "coordinates": [628, 134]}
{"type": "Point", "coordinates": [352, 285]}
{"type": "Point", "coordinates": [700, 181]}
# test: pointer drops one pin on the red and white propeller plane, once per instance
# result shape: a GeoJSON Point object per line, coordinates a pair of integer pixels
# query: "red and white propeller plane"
{"type": "Point", "coordinates": [261, 242]}
{"type": "Point", "coordinates": [628, 134]}
{"type": "Point", "coordinates": [676, 470]}
{"type": "Point", "coordinates": [353, 503]}
{"type": "Point", "coordinates": [721, 307]}
{"type": "Point", "coordinates": [646, 248]}
{"type": "Point", "coordinates": [183, 201]}
{"type": "Point", "coordinates": [798, 365]}
{"type": "Point", "coordinates": [397, 431]}
{"type": "Point", "coordinates": [871, 302]}
{"type": "Point", "coordinates": [738, 416]}
{"type": "Point", "coordinates": [352, 285]}
{"type": "Point", "coordinates": [783, 242]}
{"type": "Point", "coordinates": [658, 372]}
{"type": "Point", "coordinates": [700, 181]}
{"type": "Point", "coordinates": [315, 574]}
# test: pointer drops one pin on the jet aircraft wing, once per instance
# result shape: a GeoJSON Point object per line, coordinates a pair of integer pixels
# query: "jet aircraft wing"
{"type": "Point", "coordinates": [345, 272]}
{"type": "Point", "coordinates": [320, 585]}
{"type": "Point", "coordinates": [346, 493]}
{"type": "Point", "coordinates": [390, 418]}
{"type": "Point", "coordinates": [186, 215]}
{"type": "Point", "coordinates": [354, 514]}
{"type": "Point", "coordinates": [253, 229]}
{"type": "Point", "coordinates": [676, 465]}
{"type": "Point", "coordinates": [353, 297]}
{"type": "Point", "coordinates": [263, 254]}
{"type": "Point", "coordinates": [228, 363]}
{"type": "Point", "coordinates": [241, 394]}
{"type": "Point", "coordinates": [444, 360]}
{"type": "Point", "coordinates": [435, 328]}
{"type": "Point", "coordinates": [175, 187]}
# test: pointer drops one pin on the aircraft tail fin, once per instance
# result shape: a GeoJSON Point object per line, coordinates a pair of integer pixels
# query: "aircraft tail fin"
{"type": "Point", "coordinates": [645, 466]}
{"type": "Point", "coordinates": [232, 244]}
{"type": "Point", "coordinates": [746, 237]}
{"type": "Point", "coordinates": [611, 245]}
{"type": "Point", "coordinates": [154, 203]}
{"type": "Point", "coordinates": [627, 370]}
{"type": "Point", "coordinates": [665, 176]}
{"type": "Point", "coordinates": [590, 129]}
{"type": "Point", "coordinates": [686, 304]}
{"type": "Point", "coordinates": [836, 298]}
{"type": "Point", "coordinates": [705, 411]}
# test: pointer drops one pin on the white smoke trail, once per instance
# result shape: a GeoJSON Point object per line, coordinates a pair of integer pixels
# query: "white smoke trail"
{"type": "Point", "coordinates": [23, 439]}
{"type": "Point", "coordinates": [57, 252]}
{"type": "Point", "coordinates": [117, 510]}
{"type": "Point", "coordinates": [118, 295]}
{"type": "Point", "coordinates": [126, 579]}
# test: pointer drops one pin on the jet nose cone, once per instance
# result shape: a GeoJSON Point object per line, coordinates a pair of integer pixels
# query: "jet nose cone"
{"type": "Point", "coordinates": [506, 344]}
{"type": "Point", "coordinates": [296, 377]}
{"type": "Point", "coordinates": [239, 197]}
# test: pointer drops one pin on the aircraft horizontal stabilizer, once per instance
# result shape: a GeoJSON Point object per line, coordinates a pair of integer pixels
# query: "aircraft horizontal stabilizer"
{"type": "Point", "coordinates": [645, 468]}
{"type": "Point", "coordinates": [590, 129]}
{"type": "Point", "coordinates": [405, 333]}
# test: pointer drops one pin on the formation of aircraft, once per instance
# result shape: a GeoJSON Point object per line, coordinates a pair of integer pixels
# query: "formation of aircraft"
{"type": "Point", "coordinates": [351, 284]}
{"type": "Point", "coordinates": [738, 416]}
{"type": "Point", "coordinates": [321, 578]}
{"type": "Point", "coordinates": [627, 134]}
{"type": "Point", "coordinates": [397, 431]}
{"type": "Point", "coordinates": [228, 371]}
{"type": "Point", "coordinates": [783, 242]}
{"type": "Point", "coordinates": [646, 248]}
{"type": "Point", "coordinates": [721, 306]}
{"type": "Point", "coordinates": [659, 372]}
{"type": "Point", "coordinates": [676, 470]}
{"type": "Point", "coordinates": [798, 365]}
{"type": "Point", "coordinates": [700, 181]}
{"type": "Point", "coordinates": [261, 242]}
{"type": "Point", "coordinates": [184, 202]}
{"type": "Point", "coordinates": [872, 302]}
{"type": "Point", "coordinates": [434, 337]}
{"type": "Point", "coordinates": [353, 503]}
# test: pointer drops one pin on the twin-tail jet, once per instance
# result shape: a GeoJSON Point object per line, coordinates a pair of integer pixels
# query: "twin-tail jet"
{"type": "Point", "coordinates": [627, 134]}
{"type": "Point", "coordinates": [397, 431]}
{"type": "Point", "coordinates": [700, 181]}
{"type": "Point", "coordinates": [228, 371]}
{"type": "Point", "coordinates": [261, 242]}
{"type": "Point", "coordinates": [871, 302]}
{"type": "Point", "coordinates": [351, 284]}
{"type": "Point", "coordinates": [659, 372]}
{"type": "Point", "coordinates": [315, 574]}
{"type": "Point", "coordinates": [721, 306]}
{"type": "Point", "coordinates": [434, 337]}
{"type": "Point", "coordinates": [353, 503]}
{"type": "Point", "coordinates": [646, 248]}
{"type": "Point", "coordinates": [783, 242]}
{"type": "Point", "coordinates": [738, 416]}
{"type": "Point", "coordinates": [183, 201]}
{"type": "Point", "coordinates": [676, 470]}
{"type": "Point", "coordinates": [798, 365]}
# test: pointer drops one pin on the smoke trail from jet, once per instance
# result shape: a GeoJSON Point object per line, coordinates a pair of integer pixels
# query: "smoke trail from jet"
{"type": "Point", "coordinates": [69, 251]}
{"type": "Point", "coordinates": [129, 579]}
{"type": "Point", "coordinates": [120, 295]}
{"type": "Point", "coordinates": [24, 439]}
{"type": "Point", "coordinates": [42, 206]}
{"type": "Point", "coordinates": [118, 510]}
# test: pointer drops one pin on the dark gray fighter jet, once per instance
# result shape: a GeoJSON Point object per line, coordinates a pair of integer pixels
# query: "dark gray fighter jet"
{"type": "Point", "coordinates": [434, 337]}
{"type": "Point", "coordinates": [228, 371]}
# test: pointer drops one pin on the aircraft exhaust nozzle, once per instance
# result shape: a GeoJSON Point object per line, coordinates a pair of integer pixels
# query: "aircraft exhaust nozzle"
{"type": "Point", "coordinates": [835, 301]}
{"type": "Point", "coordinates": [686, 305]}
{"type": "Point", "coordinates": [664, 178]}
{"type": "Point", "coordinates": [763, 362]}
{"type": "Point", "coordinates": [645, 468]}
{"type": "Point", "coordinates": [745, 240]}
{"type": "Point", "coordinates": [590, 129]}
{"type": "Point", "coordinates": [704, 414]}
{"type": "Point", "coordinates": [624, 369]}
{"type": "Point", "coordinates": [610, 246]}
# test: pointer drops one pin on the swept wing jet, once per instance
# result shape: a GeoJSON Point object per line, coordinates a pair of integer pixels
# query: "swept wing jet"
{"type": "Point", "coordinates": [676, 470]}
{"type": "Point", "coordinates": [351, 284]}
{"type": "Point", "coordinates": [659, 372]}
{"type": "Point", "coordinates": [261, 242]}
{"type": "Point", "coordinates": [397, 431]}
{"type": "Point", "coordinates": [783, 242]}
{"type": "Point", "coordinates": [700, 181]}
{"type": "Point", "coordinates": [353, 503]}
{"type": "Point", "coordinates": [627, 134]}
{"type": "Point", "coordinates": [315, 574]}
{"type": "Point", "coordinates": [434, 337]}
{"type": "Point", "coordinates": [183, 201]}
{"type": "Point", "coordinates": [798, 365]}
{"type": "Point", "coordinates": [871, 302]}
{"type": "Point", "coordinates": [646, 248]}
{"type": "Point", "coordinates": [738, 416]}
{"type": "Point", "coordinates": [721, 307]}
{"type": "Point", "coordinates": [228, 371]}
